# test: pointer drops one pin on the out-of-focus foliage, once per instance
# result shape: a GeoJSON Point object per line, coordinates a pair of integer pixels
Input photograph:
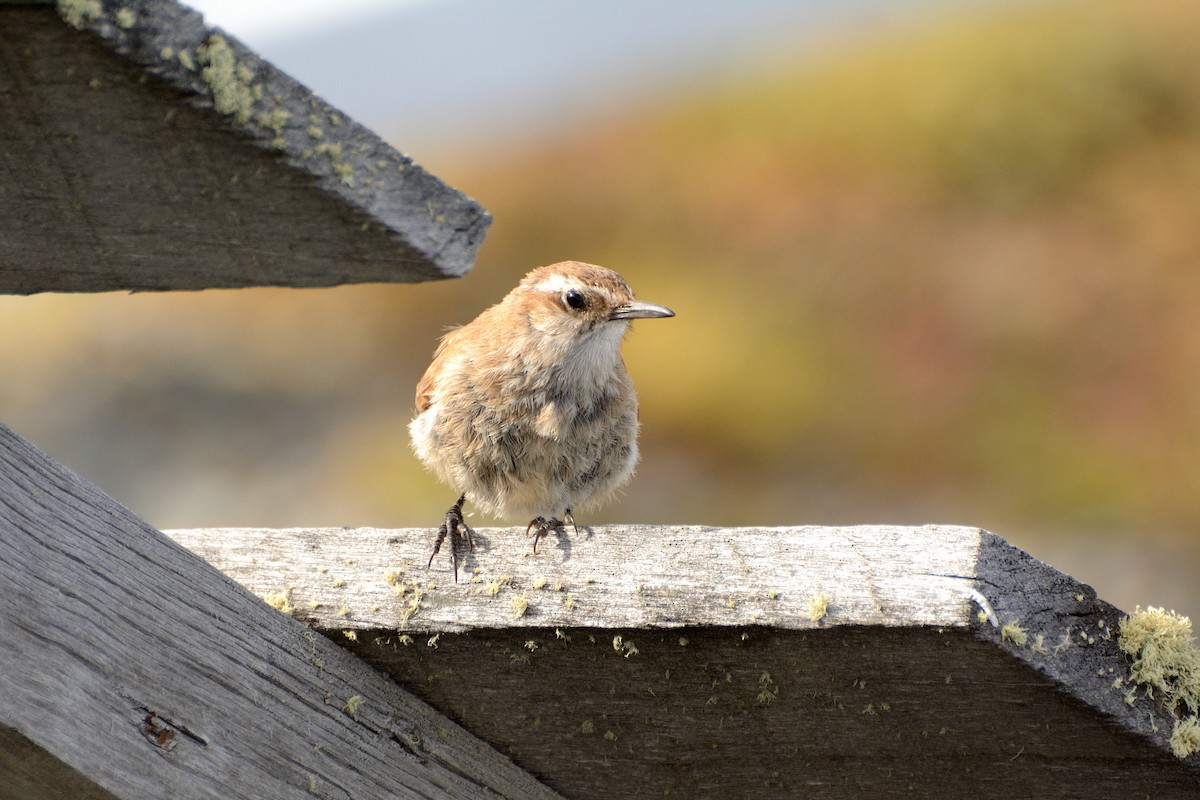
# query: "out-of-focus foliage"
{"type": "Point", "coordinates": [957, 271]}
{"type": "Point", "coordinates": [946, 274]}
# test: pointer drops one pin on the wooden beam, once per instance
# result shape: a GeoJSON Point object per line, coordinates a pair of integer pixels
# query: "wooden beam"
{"type": "Point", "coordinates": [150, 152]}
{"type": "Point", "coordinates": [697, 661]}
{"type": "Point", "coordinates": [129, 661]}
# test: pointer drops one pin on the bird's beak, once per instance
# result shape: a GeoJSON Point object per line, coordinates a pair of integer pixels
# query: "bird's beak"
{"type": "Point", "coordinates": [636, 309]}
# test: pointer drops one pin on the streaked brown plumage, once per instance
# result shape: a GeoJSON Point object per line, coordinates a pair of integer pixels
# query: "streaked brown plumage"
{"type": "Point", "coordinates": [528, 410]}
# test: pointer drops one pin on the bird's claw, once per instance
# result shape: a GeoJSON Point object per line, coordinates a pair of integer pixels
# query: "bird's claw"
{"type": "Point", "coordinates": [545, 525]}
{"type": "Point", "coordinates": [455, 527]}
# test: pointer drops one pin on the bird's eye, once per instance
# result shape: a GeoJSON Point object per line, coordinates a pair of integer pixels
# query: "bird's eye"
{"type": "Point", "coordinates": [575, 299]}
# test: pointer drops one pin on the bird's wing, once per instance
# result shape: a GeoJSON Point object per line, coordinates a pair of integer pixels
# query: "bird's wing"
{"type": "Point", "coordinates": [429, 379]}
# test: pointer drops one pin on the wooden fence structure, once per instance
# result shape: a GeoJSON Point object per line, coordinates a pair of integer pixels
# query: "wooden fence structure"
{"type": "Point", "coordinates": [144, 151]}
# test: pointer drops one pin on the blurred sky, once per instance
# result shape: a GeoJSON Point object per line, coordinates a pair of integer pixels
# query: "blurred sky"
{"type": "Point", "coordinates": [436, 76]}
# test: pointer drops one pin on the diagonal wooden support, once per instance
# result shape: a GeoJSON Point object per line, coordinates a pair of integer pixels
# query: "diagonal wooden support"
{"type": "Point", "coordinates": [744, 662]}
{"type": "Point", "coordinates": [131, 668]}
{"type": "Point", "coordinates": [147, 151]}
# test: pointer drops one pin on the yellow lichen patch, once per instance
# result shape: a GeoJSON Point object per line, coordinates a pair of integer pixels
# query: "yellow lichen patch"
{"type": "Point", "coordinates": [351, 636]}
{"type": "Point", "coordinates": [231, 84]}
{"type": "Point", "coordinates": [275, 120]}
{"type": "Point", "coordinates": [395, 579]}
{"type": "Point", "coordinates": [281, 601]}
{"type": "Point", "coordinates": [78, 13]}
{"type": "Point", "coordinates": [353, 705]}
{"type": "Point", "coordinates": [1167, 660]}
{"type": "Point", "coordinates": [493, 587]}
{"type": "Point", "coordinates": [818, 608]}
{"type": "Point", "coordinates": [1185, 739]}
{"type": "Point", "coordinates": [337, 160]}
{"type": "Point", "coordinates": [124, 18]}
{"type": "Point", "coordinates": [1013, 633]}
{"type": "Point", "coordinates": [768, 691]}
{"type": "Point", "coordinates": [624, 647]}
{"type": "Point", "coordinates": [401, 587]}
{"type": "Point", "coordinates": [520, 605]}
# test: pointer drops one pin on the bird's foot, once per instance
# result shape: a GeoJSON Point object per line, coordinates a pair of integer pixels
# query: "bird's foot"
{"type": "Point", "coordinates": [454, 526]}
{"type": "Point", "coordinates": [542, 526]}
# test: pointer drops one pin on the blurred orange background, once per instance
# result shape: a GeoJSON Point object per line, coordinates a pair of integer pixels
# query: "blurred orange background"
{"type": "Point", "coordinates": [946, 271]}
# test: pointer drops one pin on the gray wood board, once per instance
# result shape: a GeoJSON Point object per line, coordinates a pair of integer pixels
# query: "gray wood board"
{"type": "Point", "coordinates": [142, 668]}
{"type": "Point", "coordinates": [524, 652]}
{"type": "Point", "coordinates": [117, 172]}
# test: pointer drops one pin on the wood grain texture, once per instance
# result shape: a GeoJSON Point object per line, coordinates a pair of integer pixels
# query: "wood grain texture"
{"type": "Point", "coordinates": [117, 173]}
{"type": "Point", "coordinates": [141, 667]}
{"type": "Point", "coordinates": [614, 577]}
{"type": "Point", "coordinates": [685, 660]}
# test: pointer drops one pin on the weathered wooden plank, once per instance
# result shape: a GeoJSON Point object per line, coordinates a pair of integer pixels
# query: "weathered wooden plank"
{"type": "Point", "coordinates": [609, 577]}
{"type": "Point", "coordinates": [145, 670]}
{"type": "Point", "coordinates": [686, 660]}
{"type": "Point", "coordinates": [134, 156]}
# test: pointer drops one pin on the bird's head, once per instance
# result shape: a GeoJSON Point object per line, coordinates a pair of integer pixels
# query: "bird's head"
{"type": "Point", "coordinates": [575, 303]}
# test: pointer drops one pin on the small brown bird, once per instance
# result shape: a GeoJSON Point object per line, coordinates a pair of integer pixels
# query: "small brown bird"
{"type": "Point", "coordinates": [528, 409]}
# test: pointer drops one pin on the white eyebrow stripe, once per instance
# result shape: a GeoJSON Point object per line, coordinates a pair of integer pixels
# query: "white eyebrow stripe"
{"type": "Point", "coordinates": [556, 284]}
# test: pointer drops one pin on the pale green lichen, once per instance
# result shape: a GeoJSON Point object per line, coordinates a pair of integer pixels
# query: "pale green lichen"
{"type": "Point", "coordinates": [1013, 633]}
{"type": "Point", "coordinates": [78, 13]}
{"type": "Point", "coordinates": [624, 646]}
{"type": "Point", "coordinates": [274, 120]}
{"type": "Point", "coordinates": [818, 608]}
{"type": "Point", "coordinates": [768, 691]}
{"type": "Point", "coordinates": [1185, 738]}
{"type": "Point", "coordinates": [230, 83]}
{"type": "Point", "coordinates": [281, 601]}
{"type": "Point", "coordinates": [337, 160]}
{"type": "Point", "coordinates": [1166, 660]}
{"type": "Point", "coordinates": [124, 18]}
{"type": "Point", "coordinates": [493, 587]}
{"type": "Point", "coordinates": [353, 705]}
{"type": "Point", "coordinates": [1165, 655]}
